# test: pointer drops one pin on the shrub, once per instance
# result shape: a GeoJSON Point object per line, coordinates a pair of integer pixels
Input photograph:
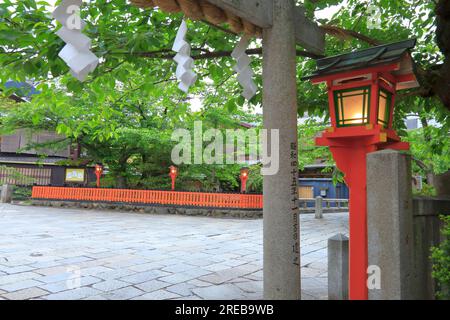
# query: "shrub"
{"type": "Point", "coordinates": [21, 193]}
{"type": "Point", "coordinates": [427, 191]}
{"type": "Point", "coordinates": [440, 256]}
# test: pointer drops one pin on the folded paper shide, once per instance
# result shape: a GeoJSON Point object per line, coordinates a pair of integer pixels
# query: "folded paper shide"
{"type": "Point", "coordinates": [243, 68]}
{"type": "Point", "coordinates": [76, 53]}
{"type": "Point", "coordinates": [184, 73]}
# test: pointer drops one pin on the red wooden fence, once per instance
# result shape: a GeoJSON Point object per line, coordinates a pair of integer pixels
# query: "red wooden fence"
{"type": "Point", "coordinates": [195, 199]}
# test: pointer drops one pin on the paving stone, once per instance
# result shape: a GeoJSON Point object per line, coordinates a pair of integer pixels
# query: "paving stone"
{"type": "Point", "coordinates": [74, 260]}
{"type": "Point", "coordinates": [312, 283]}
{"type": "Point", "coordinates": [216, 267]}
{"type": "Point", "coordinates": [65, 285]}
{"type": "Point", "coordinates": [123, 293]}
{"type": "Point", "coordinates": [74, 294]}
{"type": "Point", "coordinates": [93, 271]}
{"type": "Point", "coordinates": [18, 269]}
{"type": "Point", "coordinates": [144, 276]}
{"type": "Point", "coordinates": [11, 278]}
{"type": "Point", "coordinates": [178, 278]}
{"type": "Point", "coordinates": [147, 267]}
{"type": "Point", "coordinates": [188, 298]}
{"type": "Point", "coordinates": [310, 272]}
{"type": "Point", "coordinates": [96, 298]}
{"type": "Point", "coordinates": [234, 262]}
{"type": "Point", "coordinates": [110, 285]}
{"type": "Point", "coordinates": [200, 262]}
{"type": "Point", "coordinates": [19, 285]}
{"type": "Point", "coordinates": [220, 292]}
{"type": "Point", "coordinates": [11, 263]}
{"type": "Point", "coordinates": [57, 277]}
{"type": "Point", "coordinates": [152, 285]}
{"type": "Point", "coordinates": [43, 244]}
{"type": "Point", "coordinates": [182, 289]}
{"type": "Point", "coordinates": [44, 264]}
{"type": "Point", "coordinates": [198, 283]}
{"type": "Point", "coordinates": [224, 276]}
{"type": "Point", "coordinates": [255, 275]}
{"type": "Point", "coordinates": [115, 274]}
{"type": "Point", "coordinates": [197, 272]}
{"type": "Point", "coordinates": [250, 286]}
{"type": "Point", "coordinates": [158, 295]}
{"type": "Point", "coordinates": [25, 294]}
{"type": "Point", "coordinates": [179, 267]}
{"type": "Point", "coordinates": [317, 293]}
{"type": "Point", "coordinates": [52, 270]}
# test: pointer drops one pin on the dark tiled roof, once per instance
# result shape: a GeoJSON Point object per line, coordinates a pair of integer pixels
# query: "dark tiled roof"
{"type": "Point", "coordinates": [29, 160]}
{"type": "Point", "coordinates": [374, 56]}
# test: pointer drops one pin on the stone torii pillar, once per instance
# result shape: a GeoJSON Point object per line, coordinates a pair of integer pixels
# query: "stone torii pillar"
{"type": "Point", "coordinates": [281, 213]}
{"type": "Point", "coordinates": [284, 25]}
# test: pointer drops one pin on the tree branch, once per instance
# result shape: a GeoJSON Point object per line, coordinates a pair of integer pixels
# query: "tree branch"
{"type": "Point", "coordinates": [167, 54]}
{"type": "Point", "coordinates": [344, 34]}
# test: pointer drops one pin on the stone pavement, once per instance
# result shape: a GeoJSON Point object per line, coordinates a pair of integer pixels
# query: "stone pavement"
{"type": "Point", "coordinates": [51, 253]}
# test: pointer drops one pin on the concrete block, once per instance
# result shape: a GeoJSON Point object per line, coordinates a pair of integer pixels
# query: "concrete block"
{"type": "Point", "coordinates": [427, 233]}
{"type": "Point", "coordinates": [390, 225]}
{"type": "Point", "coordinates": [319, 208]}
{"type": "Point", "coordinates": [6, 194]}
{"type": "Point", "coordinates": [338, 267]}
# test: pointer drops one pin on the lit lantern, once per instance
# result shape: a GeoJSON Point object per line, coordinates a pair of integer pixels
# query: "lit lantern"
{"type": "Point", "coordinates": [361, 89]}
{"type": "Point", "coordinates": [173, 173]}
{"type": "Point", "coordinates": [244, 177]}
{"type": "Point", "coordinates": [98, 173]}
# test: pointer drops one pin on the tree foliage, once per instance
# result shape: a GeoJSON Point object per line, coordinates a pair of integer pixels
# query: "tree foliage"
{"type": "Point", "coordinates": [124, 113]}
{"type": "Point", "coordinates": [441, 261]}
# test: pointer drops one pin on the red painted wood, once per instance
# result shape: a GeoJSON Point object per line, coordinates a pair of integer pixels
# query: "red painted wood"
{"type": "Point", "coordinates": [332, 105]}
{"type": "Point", "coordinates": [351, 85]}
{"type": "Point", "coordinates": [374, 100]}
{"type": "Point", "coordinates": [406, 78]}
{"type": "Point", "coordinates": [354, 73]}
{"type": "Point", "coordinates": [213, 200]}
{"type": "Point", "coordinates": [391, 117]}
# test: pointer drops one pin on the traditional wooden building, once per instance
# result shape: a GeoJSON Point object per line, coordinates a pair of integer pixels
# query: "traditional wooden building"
{"type": "Point", "coordinates": [315, 181]}
{"type": "Point", "coordinates": [20, 165]}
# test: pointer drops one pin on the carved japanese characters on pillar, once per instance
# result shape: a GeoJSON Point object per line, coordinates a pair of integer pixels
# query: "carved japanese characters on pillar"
{"type": "Point", "coordinates": [294, 204]}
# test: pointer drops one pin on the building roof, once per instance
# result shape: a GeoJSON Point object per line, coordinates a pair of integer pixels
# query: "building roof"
{"type": "Point", "coordinates": [24, 90]}
{"type": "Point", "coordinates": [384, 54]}
{"type": "Point", "coordinates": [17, 159]}
{"type": "Point", "coordinates": [318, 166]}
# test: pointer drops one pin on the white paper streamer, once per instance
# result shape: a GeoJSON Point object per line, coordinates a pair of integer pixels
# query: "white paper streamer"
{"type": "Point", "coordinates": [184, 73]}
{"type": "Point", "coordinates": [76, 53]}
{"type": "Point", "coordinates": [243, 69]}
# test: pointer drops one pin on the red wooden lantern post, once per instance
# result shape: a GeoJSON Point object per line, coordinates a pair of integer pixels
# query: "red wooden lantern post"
{"type": "Point", "coordinates": [361, 91]}
{"type": "Point", "coordinates": [244, 178]}
{"type": "Point", "coordinates": [173, 175]}
{"type": "Point", "coordinates": [98, 173]}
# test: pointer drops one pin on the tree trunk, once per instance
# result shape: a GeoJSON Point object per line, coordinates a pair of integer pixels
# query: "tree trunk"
{"type": "Point", "coordinates": [442, 86]}
{"type": "Point", "coordinates": [442, 184]}
{"type": "Point", "coordinates": [121, 182]}
{"type": "Point", "coordinates": [145, 173]}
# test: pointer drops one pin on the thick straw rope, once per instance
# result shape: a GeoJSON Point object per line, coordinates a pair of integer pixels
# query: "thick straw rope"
{"type": "Point", "coordinates": [203, 10]}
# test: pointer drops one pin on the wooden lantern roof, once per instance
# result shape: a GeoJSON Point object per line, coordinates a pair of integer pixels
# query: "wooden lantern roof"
{"type": "Point", "coordinates": [204, 11]}
{"type": "Point", "coordinates": [396, 55]}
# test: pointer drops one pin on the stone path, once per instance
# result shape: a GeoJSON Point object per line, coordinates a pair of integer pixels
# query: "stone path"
{"type": "Point", "coordinates": [50, 253]}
